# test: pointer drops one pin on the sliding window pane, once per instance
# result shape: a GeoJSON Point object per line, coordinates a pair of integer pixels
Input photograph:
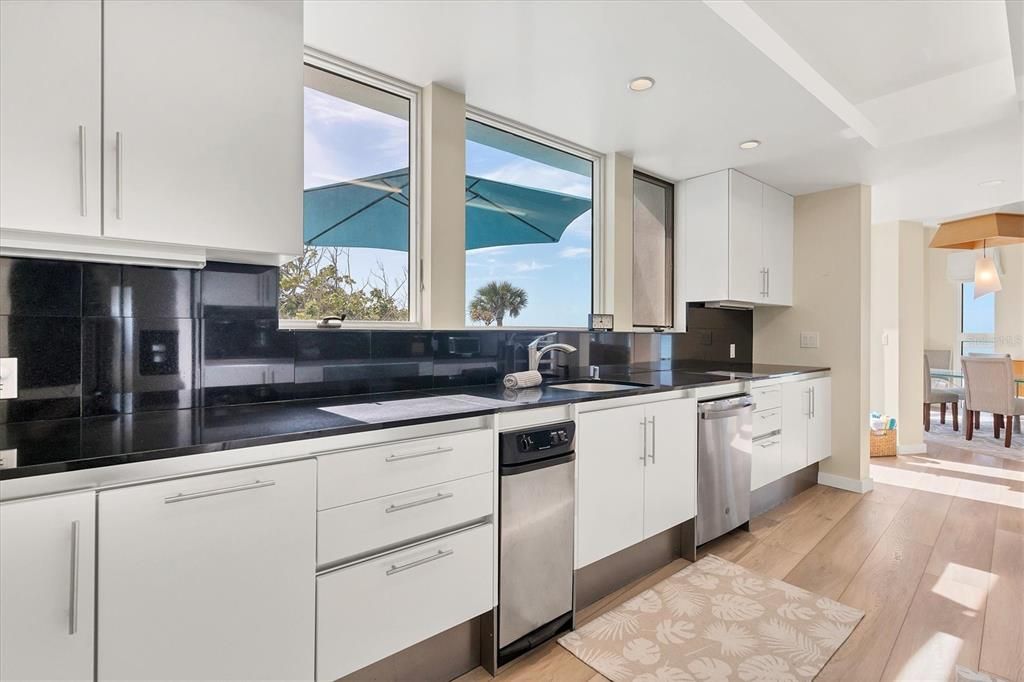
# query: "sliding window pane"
{"type": "Point", "coordinates": [529, 232]}
{"type": "Point", "coordinates": [356, 218]}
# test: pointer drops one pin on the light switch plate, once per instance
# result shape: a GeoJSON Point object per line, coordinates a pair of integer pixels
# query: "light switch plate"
{"type": "Point", "coordinates": [601, 322]}
{"type": "Point", "coordinates": [808, 339]}
{"type": "Point", "coordinates": [8, 378]}
{"type": "Point", "coordinates": [732, 350]}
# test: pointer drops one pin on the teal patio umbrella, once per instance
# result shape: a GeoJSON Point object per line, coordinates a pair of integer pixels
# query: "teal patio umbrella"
{"type": "Point", "coordinates": [373, 212]}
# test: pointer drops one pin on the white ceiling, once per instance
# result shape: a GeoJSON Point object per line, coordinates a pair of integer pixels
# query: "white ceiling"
{"type": "Point", "coordinates": [932, 80]}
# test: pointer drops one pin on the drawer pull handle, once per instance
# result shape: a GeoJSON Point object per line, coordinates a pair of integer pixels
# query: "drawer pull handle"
{"type": "Point", "coordinates": [441, 553]}
{"type": "Point", "coordinates": [184, 497]}
{"type": "Point", "coordinates": [409, 505]}
{"type": "Point", "coordinates": [768, 444]}
{"type": "Point", "coordinates": [414, 455]}
{"type": "Point", "coordinates": [75, 561]}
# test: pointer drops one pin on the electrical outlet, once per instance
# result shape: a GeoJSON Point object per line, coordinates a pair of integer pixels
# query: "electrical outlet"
{"type": "Point", "coordinates": [732, 350]}
{"type": "Point", "coordinates": [8, 378]}
{"type": "Point", "coordinates": [808, 339]}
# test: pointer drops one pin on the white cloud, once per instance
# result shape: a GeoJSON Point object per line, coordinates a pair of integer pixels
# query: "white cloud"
{"type": "Point", "coordinates": [529, 266]}
{"type": "Point", "coordinates": [574, 252]}
{"type": "Point", "coordinates": [537, 175]}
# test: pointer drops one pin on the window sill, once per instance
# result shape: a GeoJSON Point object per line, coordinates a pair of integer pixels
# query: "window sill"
{"type": "Point", "coordinates": [354, 325]}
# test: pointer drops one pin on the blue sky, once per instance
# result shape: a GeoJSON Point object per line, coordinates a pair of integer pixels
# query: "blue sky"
{"type": "Point", "coordinates": [345, 141]}
{"type": "Point", "coordinates": [979, 315]}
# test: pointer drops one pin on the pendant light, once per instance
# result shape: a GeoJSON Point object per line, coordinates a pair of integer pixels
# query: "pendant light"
{"type": "Point", "coordinates": [986, 277]}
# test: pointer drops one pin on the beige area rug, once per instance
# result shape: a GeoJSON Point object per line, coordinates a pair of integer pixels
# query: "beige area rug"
{"type": "Point", "coordinates": [983, 441]}
{"type": "Point", "coordinates": [715, 621]}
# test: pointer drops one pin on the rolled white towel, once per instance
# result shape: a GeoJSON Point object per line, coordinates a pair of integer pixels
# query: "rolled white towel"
{"type": "Point", "coordinates": [523, 379]}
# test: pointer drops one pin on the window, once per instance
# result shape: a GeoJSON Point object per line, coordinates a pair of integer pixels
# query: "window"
{"type": "Point", "coordinates": [652, 251]}
{"type": "Point", "coordinates": [529, 231]}
{"type": "Point", "coordinates": [357, 222]}
{"type": "Point", "coordinates": [977, 321]}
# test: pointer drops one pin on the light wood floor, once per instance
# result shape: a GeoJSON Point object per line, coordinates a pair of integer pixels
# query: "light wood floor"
{"type": "Point", "coordinates": [934, 556]}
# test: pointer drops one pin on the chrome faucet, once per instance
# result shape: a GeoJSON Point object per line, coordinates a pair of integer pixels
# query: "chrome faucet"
{"type": "Point", "coordinates": [537, 352]}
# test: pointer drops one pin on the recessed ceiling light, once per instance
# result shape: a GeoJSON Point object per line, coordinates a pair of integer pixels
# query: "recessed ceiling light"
{"type": "Point", "coordinates": [641, 83]}
{"type": "Point", "coordinates": [750, 144]}
{"type": "Point", "coordinates": [991, 183]}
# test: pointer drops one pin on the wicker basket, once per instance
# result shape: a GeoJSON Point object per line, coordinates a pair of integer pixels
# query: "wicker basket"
{"type": "Point", "coordinates": [883, 443]}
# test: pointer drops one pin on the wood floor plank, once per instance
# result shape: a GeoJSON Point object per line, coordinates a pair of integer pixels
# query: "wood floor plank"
{"type": "Point", "coordinates": [963, 551]}
{"type": "Point", "coordinates": [883, 588]}
{"type": "Point", "coordinates": [943, 628]}
{"type": "Point", "coordinates": [800, 532]}
{"type": "Point", "coordinates": [830, 566]}
{"type": "Point", "coordinates": [1002, 647]}
{"type": "Point", "coordinates": [921, 516]}
{"type": "Point", "coordinates": [769, 560]}
{"type": "Point", "coordinates": [730, 546]}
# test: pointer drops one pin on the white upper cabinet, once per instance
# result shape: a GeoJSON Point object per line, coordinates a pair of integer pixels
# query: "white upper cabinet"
{"type": "Point", "coordinates": [50, 116]}
{"type": "Point", "coordinates": [739, 240]}
{"type": "Point", "coordinates": [200, 139]}
{"type": "Point", "coordinates": [47, 559]}
{"type": "Point", "coordinates": [203, 123]}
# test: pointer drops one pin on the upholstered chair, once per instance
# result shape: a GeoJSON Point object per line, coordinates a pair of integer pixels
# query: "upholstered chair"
{"type": "Point", "coordinates": [943, 396]}
{"type": "Point", "coordinates": [991, 388]}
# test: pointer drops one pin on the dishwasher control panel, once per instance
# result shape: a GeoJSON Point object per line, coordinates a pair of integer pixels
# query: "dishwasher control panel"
{"type": "Point", "coordinates": [536, 443]}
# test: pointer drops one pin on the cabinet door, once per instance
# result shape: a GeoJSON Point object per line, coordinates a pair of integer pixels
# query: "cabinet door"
{"type": "Point", "coordinates": [796, 398]}
{"type": "Point", "coordinates": [47, 555]}
{"type": "Point", "coordinates": [610, 490]}
{"type": "Point", "coordinates": [209, 577]}
{"type": "Point", "coordinates": [819, 427]}
{"type": "Point", "coordinates": [670, 478]}
{"type": "Point", "coordinates": [50, 116]}
{"type": "Point", "coordinates": [706, 237]}
{"type": "Point", "coordinates": [203, 123]}
{"type": "Point", "coordinates": [745, 250]}
{"type": "Point", "coordinates": [778, 246]}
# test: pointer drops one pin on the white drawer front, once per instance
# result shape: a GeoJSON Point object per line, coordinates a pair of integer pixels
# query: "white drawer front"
{"type": "Point", "coordinates": [387, 521]}
{"type": "Point", "coordinates": [765, 462]}
{"type": "Point", "coordinates": [357, 475]}
{"type": "Point", "coordinates": [766, 421]}
{"type": "Point", "coordinates": [767, 397]}
{"type": "Point", "coordinates": [376, 608]}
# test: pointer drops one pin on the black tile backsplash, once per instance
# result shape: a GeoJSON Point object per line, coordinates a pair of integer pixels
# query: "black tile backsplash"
{"type": "Point", "coordinates": [96, 339]}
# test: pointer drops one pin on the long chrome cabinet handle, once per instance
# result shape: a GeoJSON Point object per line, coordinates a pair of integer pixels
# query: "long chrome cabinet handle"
{"type": "Point", "coordinates": [119, 175]}
{"type": "Point", "coordinates": [409, 505]}
{"type": "Point", "coordinates": [184, 497]}
{"type": "Point", "coordinates": [441, 553]}
{"type": "Point", "coordinates": [767, 282]}
{"type": "Point", "coordinates": [75, 554]}
{"type": "Point", "coordinates": [643, 455]}
{"type": "Point", "coordinates": [82, 183]}
{"type": "Point", "coordinates": [414, 455]}
{"type": "Point", "coordinates": [812, 402]}
{"type": "Point", "coordinates": [654, 438]}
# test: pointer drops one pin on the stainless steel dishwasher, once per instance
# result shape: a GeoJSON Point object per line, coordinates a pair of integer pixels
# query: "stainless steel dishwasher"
{"type": "Point", "coordinates": [536, 520]}
{"type": "Point", "coordinates": [724, 444]}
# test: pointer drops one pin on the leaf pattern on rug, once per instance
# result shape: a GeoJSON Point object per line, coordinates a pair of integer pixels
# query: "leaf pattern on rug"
{"type": "Point", "coordinates": [642, 650]}
{"type": "Point", "coordinates": [704, 581]}
{"type": "Point", "coordinates": [682, 600]}
{"type": "Point", "coordinates": [765, 668]}
{"type": "Point", "coordinates": [841, 613]}
{"type": "Point", "coordinates": [645, 602]}
{"type": "Point", "coordinates": [795, 611]}
{"type": "Point", "coordinates": [734, 640]}
{"type": "Point", "coordinates": [715, 621]}
{"type": "Point", "coordinates": [735, 607]}
{"type": "Point", "coordinates": [783, 638]}
{"type": "Point", "coordinates": [612, 625]}
{"type": "Point", "coordinates": [669, 632]}
{"type": "Point", "coordinates": [710, 669]}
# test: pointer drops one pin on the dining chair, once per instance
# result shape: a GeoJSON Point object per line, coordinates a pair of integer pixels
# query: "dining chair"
{"type": "Point", "coordinates": [940, 359]}
{"type": "Point", "coordinates": [942, 396]}
{"type": "Point", "coordinates": [991, 388]}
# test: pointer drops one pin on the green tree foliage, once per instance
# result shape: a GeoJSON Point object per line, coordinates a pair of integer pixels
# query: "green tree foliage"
{"type": "Point", "coordinates": [319, 283]}
{"type": "Point", "coordinates": [494, 300]}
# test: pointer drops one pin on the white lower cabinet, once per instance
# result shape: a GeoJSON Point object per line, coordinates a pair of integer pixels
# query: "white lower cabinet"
{"type": "Point", "coordinates": [765, 461]}
{"type": "Point", "coordinates": [47, 559]}
{"type": "Point", "coordinates": [379, 606]}
{"type": "Point", "coordinates": [806, 423]}
{"type": "Point", "coordinates": [209, 577]}
{"type": "Point", "coordinates": [637, 474]}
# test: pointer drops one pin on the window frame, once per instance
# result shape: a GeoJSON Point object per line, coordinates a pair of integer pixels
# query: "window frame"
{"type": "Point", "coordinates": [345, 69]}
{"type": "Point", "coordinates": [670, 250]}
{"type": "Point", "coordinates": [598, 280]}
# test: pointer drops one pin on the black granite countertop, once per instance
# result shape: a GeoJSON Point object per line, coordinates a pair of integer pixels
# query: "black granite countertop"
{"type": "Point", "coordinates": [53, 446]}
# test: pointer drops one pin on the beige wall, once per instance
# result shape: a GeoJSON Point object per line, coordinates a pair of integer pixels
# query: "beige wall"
{"type": "Point", "coordinates": [1010, 303]}
{"type": "Point", "coordinates": [941, 301]}
{"type": "Point", "coordinates": [885, 315]}
{"type": "Point", "coordinates": [910, 294]}
{"type": "Point", "coordinates": [831, 290]}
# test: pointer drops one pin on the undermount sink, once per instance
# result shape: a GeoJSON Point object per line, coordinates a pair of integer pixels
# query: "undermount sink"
{"type": "Point", "coordinates": [595, 386]}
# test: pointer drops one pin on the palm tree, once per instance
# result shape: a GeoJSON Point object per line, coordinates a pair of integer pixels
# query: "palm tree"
{"type": "Point", "coordinates": [494, 300]}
